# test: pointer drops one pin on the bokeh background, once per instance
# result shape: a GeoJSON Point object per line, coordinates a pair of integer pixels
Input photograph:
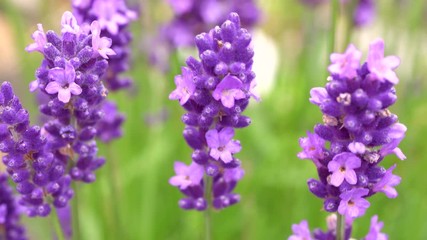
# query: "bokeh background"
{"type": "Point", "coordinates": [291, 55]}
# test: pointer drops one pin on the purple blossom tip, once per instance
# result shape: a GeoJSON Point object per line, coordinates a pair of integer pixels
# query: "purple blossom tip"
{"type": "Point", "coordinates": [221, 144]}
{"type": "Point", "coordinates": [185, 86]}
{"type": "Point", "coordinates": [63, 83]}
{"type": "Point", "coordinates": [375, 230]}
{"type": "Point", "coordinates": [352, 203]}
{"type": "Point", "coordinates": [312, 146]}
{"type": "Point", "coordinates": [186, 175]}
{"type": "Point", "coordinates": [382, 67]}
{"type": "Point", "coordinates": [387, 183]}
{"type": "Point", "coordinates": [318, 95]}
{"type": "Point", "coordinates": [229, 90]}
{"type": "Point", "coordinates": [69, 24]}
{"type": "Point", "coordinates": [346, 64]}
{"type": "Point", "coordinates": [39, 37]}
{"type": "Point", "coordinates": [342, 167]}
{"type": "Point", "coordinates": [100, 44]}
{"type": "Point", "coordinates": [300, 231]}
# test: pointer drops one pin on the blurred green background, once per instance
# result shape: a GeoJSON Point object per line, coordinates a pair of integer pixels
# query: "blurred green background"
{"type": "Point", "coordinates": [292, 48]}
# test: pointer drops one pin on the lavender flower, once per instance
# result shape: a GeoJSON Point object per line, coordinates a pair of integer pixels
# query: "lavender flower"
{"type": "Point", "coordinates": [360, 129]}
{"type": "Point", "coordinates": [214, 91]}
{"type": "Point", "coordinates": [364, 13]}
{"type": "Point", "coordinates": [10, 211]}
{"type": "Point", "coordinates": [302, 232]}
{"type": "Point", "coordinates": [43, 161]}
{"type": "Point", "coordinates": [113, 18]}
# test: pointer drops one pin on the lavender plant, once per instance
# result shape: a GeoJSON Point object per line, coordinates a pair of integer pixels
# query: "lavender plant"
{"type": "Point", "coordinates": [10, 211]}
{"type": "Point", "coordinates": [357, 133]}
{"type": "Point", "coordinates": [214, 91]}
{"type": "Point", "coordinates": [43, 161]}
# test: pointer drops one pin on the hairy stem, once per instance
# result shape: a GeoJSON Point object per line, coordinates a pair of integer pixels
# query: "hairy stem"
{"type": "Point", "coordinates": [208, 220]}
{"type": "Point", "coordinates": [340, 227]}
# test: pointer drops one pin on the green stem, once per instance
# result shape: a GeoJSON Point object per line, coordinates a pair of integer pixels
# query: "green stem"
{"type": "Point", "coordinates": [75, 217]}
{"type": "Point", "coordinates": [334, 19]}
{"type": "Point", "coordinates": [208, 219]}
{"type": "Point", "coordinates": [57, 225]}
{"type": "Point", "coordinates": [115, 191]}
{"type": "Point", "coordinates": [340, 227]}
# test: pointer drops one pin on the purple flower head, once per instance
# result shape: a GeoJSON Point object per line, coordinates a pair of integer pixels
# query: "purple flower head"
{"type": "Point", "coordinates": [353, 204]}
{"type": "Point", "coordinates": [63, 83]}
{"type": "Point", "coordinates": [186, 175]}
{"type": "Point", "coordinates": [185, 86]}
{"type": "Point", "coordinates": [100, 44]}
{"type": "Point", "coordinates": [40, 40]}
{"type": "Point", "coordinates": [387, 183]}
{"type": "Point", "coordinates": [346, 64]}
{"type": "Point", "coordinates": [364, 13]}
{"type": "Point", "coordinates": [221, 144]}
{"type": "Point", "coordinates": [375, 230]}
{"type": "Point", "coordinates": [312, 146]}
{"type": "Point", "coordinates": [342, 167]}
{"type": "Point", "coordinates": [229, 90]}
{"type": "Point", "coordinates": [382, 67]}
{"type": "Point", "coordinates": [109, 126]}
{"type": "Point", "coordinates": [300, 231]}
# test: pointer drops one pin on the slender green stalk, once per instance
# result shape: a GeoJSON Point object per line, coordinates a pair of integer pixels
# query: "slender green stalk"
{"type": "Point", "coordinates": [341, 227]}
{"type": "Point", "coordinates": [208, 217]}
{"type": "Point", "coordinates": [335, 11]}
{"type": "Point", "coordinates": [75, 216]}
{"type": "Point", "coordinates": [115, 191]}
{"type": "Point", "coordinates": [57, 225]}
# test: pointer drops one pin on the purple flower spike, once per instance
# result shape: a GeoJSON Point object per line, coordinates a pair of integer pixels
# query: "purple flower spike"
{"type": "Point", "coordinates": [40, 40]}
{"type": "Point", "coordinates": [342, 167]}
{"type": "Point", "coordinates": [375, 230]}
{"type": "Point", "coordinates": [353, 204]}
{"type": "Point", "coordinates": [186, 175]}
{"type": "Point", "coordinates": [364, 13]}
{"type": "Point", "coordinates": [300, 231]}
{"type": "Point", "coordinates": [63, 83]}
{"type": "Point", "coordinates": [228, 90]}
{"type": "Point", "coordinates": [347, 63]}
{"type": "Point", "coordinates": [185, 86]}
{"type": "Point", "coordinates": [100, 44]}
{"type": "Point", "coordinates": [382, 67]}
{"type": "Point", "coordinates": [215, 91]}
{"type": "Point", "coordinates": [221, 144]}
{"type": "Point", "coordinates": [387, 183]}
{"type": "Point", "coordinates": [110, 14]}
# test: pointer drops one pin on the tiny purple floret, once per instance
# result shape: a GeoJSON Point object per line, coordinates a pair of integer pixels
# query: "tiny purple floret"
{"type": "Point", "coordinates": [352, 203]}
{"type": "Point", "coordinates": [186, 175]}
{"type": "Point", "coordinates": [185, 86]}
{"type": "Point", "coordinates": [300, 231]}
{"type": "Point", "coordinates": [229, 90]}
{"type": "Point", "coordinates": [346, 64]}
{"type": "Point", "coordinates": [221, 144]}
{"type": "Point", "coordinates": [380, 66]}
{"type": "Point", "coordinates": [387, 183]}
{"type": "Point", "coordinates": [63, 83]}
{"type": "Point", "coordinates": [342, 167]}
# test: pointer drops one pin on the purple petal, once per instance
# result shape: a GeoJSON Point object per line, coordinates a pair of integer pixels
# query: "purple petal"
{"type": "Point", "coordinates": [70, 73]}
{"type": "Point", "coordinates": [337, 178]}
{"type": "Point", "coordinates": [350, 176]}
{"type": "Point", "coordinates": [53, 87]}
{"type": "Point", "coordinates": [75, 89]}
{"type": "Point", "coordinates": [64, 95]}
{"type": "Point", "coordinates": [180, 168]}
{"type": "Point", "coordinates": [225, 135]}
{"type": "Point", "coordinates": [58, 75]}
{"type": "Point", "coordinates": [212, 138]}
{"type": "Point", "coordinates": [318, 95]}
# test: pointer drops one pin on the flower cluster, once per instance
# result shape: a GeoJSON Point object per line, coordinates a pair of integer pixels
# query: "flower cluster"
{"type": "Point", "coordinates": [10, 227]}
{"type": "Point", "coordinates": [44, 160]}
{"type": "Point", "coordinates": [360, 130]}
{"type": "Point", "coordinates": [113, 17]}
{"type": "Point", "coordinates": [302, 231]}
{"type": "Point", "coordinates": [214, 91]}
